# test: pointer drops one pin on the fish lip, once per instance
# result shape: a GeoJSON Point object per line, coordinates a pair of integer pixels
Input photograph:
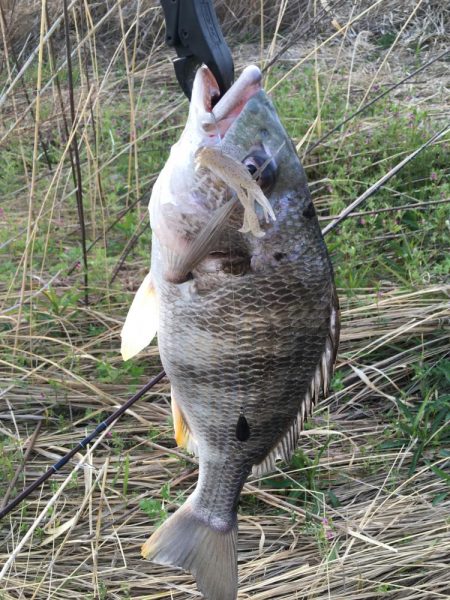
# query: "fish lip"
{"type": "Point", "coordinates": [217, 113]}
{"type": "Point", "coordinates": [206, 92]}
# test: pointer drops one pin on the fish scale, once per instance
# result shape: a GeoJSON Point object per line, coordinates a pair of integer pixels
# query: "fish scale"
{"type": "Point", "coordinates": [247, 328]}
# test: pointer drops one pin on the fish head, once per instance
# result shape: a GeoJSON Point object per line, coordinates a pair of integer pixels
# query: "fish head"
{"type": "Point", "coordinates": [258, 139]}
{"type": "Point", "coordinates": [210, 116]}
{"type": "Point", "coordinates": [177, 206]}
{"type": "Point", "coordinates": [239, 129]}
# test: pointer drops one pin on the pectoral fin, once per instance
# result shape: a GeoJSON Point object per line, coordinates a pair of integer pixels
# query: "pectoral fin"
{"type": "Point", "coordinates": [141, 323]}
{"type": "Point", "coordinates": [181, 262]}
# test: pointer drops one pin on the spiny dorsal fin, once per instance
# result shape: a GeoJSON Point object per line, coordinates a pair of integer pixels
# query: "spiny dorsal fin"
{"type": "Point", "coordinates": [319, 384]}
{"type": "Point", "coordinates": [183, 434]}
{"type": "Point", "coordinates": [141, 323]}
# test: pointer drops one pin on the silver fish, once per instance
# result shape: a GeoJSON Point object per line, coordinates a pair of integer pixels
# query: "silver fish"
{"type": "Point", "coordinates": [242, 297]}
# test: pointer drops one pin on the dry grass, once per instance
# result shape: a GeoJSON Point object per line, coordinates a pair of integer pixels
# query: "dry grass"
{"type": "Point", "coordinates": [351, 517]}
{"type": "Point", "coordinates": [241, 20]}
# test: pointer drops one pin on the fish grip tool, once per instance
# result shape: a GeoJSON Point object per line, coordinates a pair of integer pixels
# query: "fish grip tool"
{"type": "Point", "coordinates": [193, 30]}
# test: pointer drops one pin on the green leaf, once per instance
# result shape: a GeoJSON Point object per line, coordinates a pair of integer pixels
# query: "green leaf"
{"type": "Point", "coordinates": [333, 499]}
{"type": "Point", "coordinates": [439, 498]}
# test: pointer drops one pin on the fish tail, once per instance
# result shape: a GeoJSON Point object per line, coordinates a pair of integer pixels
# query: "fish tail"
{"type": "Point", "coordinates": [206, 549]}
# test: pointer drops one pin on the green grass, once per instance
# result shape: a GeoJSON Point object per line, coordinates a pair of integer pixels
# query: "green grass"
{"type": "Point", "coordinates": [375, 142]}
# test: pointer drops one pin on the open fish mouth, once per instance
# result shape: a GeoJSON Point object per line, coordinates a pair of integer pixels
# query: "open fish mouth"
{"type": "Point", "coordinates": [216, 114]}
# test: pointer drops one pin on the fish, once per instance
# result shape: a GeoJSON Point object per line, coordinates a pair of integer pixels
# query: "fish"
{"type": "Point", "coordinates": [242, 298]}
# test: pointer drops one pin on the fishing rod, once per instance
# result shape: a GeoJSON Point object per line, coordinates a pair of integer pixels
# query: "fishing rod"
{"type": "Point", "coordinates": [81, 445]}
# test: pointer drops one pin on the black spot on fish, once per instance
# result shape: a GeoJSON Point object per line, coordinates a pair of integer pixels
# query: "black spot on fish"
{"type": "Point", "coordinates": [279, 255]}
{"type": "Point", "coordinates": [242, 429]}
{"type": "Point", "coordinates": [309, 211]}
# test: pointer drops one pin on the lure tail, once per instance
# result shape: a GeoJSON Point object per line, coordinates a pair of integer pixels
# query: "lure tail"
{"type": "Point", "coordinates": [208, 551]}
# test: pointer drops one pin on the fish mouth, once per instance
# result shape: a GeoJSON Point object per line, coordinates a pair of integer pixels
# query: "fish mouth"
{"type": "Point", "coordinates": [217, 113]}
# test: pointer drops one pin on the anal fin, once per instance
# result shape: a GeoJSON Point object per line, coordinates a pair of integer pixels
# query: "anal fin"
{"type": "Point", "coordinates": [181, 260]}
{"type": "Point", "coordinates": [183, 434]}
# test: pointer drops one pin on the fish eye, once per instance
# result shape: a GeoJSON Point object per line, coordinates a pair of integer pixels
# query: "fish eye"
{"type": "Point", "coordinates": [262, 167]}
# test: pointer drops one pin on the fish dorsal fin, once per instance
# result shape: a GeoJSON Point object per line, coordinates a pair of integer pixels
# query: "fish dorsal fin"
{"type": "Point", "coordinates": [320, 381]}
{"type": "Point", "coordinates": [141, 323]}
{"type": "Point", "coordinates": [183, 434]}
